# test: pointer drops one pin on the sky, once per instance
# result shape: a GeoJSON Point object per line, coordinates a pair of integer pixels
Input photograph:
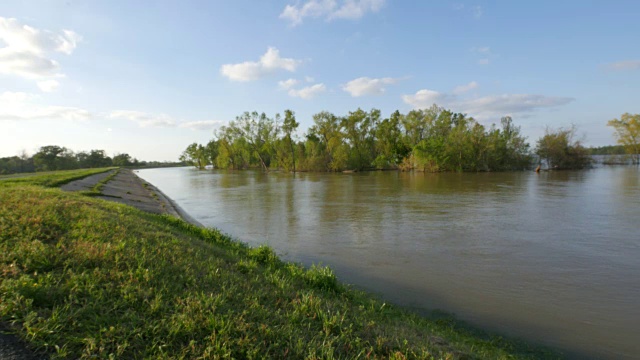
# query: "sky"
{"type": "Point", "coordinates": [148, 78]}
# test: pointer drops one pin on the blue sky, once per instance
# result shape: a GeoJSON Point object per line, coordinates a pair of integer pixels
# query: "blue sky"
{"type": "Point", "coordinates": [149, 77]}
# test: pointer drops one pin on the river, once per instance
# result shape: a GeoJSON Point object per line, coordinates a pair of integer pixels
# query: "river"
{"type": "Point", "coordinates": [553, 257]}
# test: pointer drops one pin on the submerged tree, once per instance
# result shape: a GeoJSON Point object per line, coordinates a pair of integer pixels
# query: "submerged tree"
{"type": "Point", "coordinates": [432, 139]}
{"type": "Point", "coordinates": [561, 150]}
{"type": "Point", "coordinates": [628, 134]}
{"type": "Point", "coordinates": [195, 155]}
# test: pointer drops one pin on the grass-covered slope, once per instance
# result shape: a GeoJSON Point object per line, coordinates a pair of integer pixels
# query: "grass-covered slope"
{"type": "Point", "coordinates": [49, 178]}
{"type": "Point", "coordinates": [85, 278]}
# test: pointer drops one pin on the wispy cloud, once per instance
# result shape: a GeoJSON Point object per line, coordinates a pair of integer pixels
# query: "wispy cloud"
{"type": "Point", "coordinates": [20, 106]}
{"type": "Point", "coordinates": [202, 125]}
{"type": "Point", "coordinates": [147, 120]}
{"type": "Point", "coordinates": [329, 9]}
{"type": "Point", "coordinates": [144, 119]}
{"type": "Point", "coordinates": [269, 63]}
{"type": "Point", "coordinates": [465, 88]}
{"type": "Point", "coordinates": [476, 11]}
{"type": "Point", "coordinates": [485, 107]}
{"type": "Point", "coordinates": [624, 65]}
{"type": "Point", "coordinates": [485, 54]}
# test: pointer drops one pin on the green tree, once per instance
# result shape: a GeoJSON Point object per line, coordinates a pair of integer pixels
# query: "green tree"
{"type": "Point", "coordinates": [325, 143]}
{"type": "Point", "coordinates": [628, 134]}
{"type": "Point", "coordinates": [358, 127]}
{"type": "Point", "coordinates": [289, 126]}
{"type": "Point", "coordinates": [260, 133]}
{"type": "Point", "coordinates": [390, 149]}
{"type": "Point", "coordinates": [211, 151]}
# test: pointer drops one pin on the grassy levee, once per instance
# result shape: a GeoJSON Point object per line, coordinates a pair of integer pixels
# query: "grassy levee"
{"type": "Point", "coordinates": [50, 178]}
{"type": "Point", "coordinates": [85, 278]}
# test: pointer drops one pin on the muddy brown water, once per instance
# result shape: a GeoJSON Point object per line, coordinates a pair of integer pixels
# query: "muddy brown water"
{"type": "Point", "coordinates": [553, 258]}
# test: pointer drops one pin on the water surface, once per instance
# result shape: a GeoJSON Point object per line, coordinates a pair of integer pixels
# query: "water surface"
{"type": "Point", "coordinates": [552, 257]}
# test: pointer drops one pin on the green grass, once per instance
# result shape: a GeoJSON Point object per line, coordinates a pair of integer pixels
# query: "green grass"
{"type": "Point", "coordinates": [49, 178]}
{"type": "Point", "coordinates": [86, 278]}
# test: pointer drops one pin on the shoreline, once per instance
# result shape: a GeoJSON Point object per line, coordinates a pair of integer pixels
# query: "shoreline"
{"type": "Point", "coordinates": [169, 202]}
{"type": "Point", "coordinates": [290, 301]}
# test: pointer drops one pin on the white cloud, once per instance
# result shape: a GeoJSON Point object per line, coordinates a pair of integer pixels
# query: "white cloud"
{"type": "Point", "coordinates": [625, 65]}
{"type": "Point", "coordinates": [201, 125]}
{"type": "Point", "coordinates": [287, 84]}
{"type": "Point", "coordinates": [465, 88]}
{"type": "Point", "coordinates": [27, 65]}
{"type": "Point", "coordinates": [27, 51]}
{"type": "Point", "coordinates": [483, 62]}
{"type": "Point", "coordinates": [19, 106]}
{"type": "Point", "coordinates": [366, 86]}
{"type": "Point", "coordinates": [144, 119]}
{"type": "Point", "coordinates": [330, 9]}
{"type": "Point", "coordinates": [308, 92]}
{"type": "Point", "coordinates": [253, 70]}
{"type": "Point", "coordinates": [424, 98]}
{"type": "Point", "coordinates": [48, 85]}
{"type": "Point", "coordinates": [309, 79]}
{"type": "Point", "coordinates": [486, 107]}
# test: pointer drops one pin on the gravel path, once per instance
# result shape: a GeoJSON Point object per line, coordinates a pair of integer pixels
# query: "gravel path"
{"type": "Point", "coordinates": [12, 348]}
{"type": "Point", "coordinates": [87, 183]}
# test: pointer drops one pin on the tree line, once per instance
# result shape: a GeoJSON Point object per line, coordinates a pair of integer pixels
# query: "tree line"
{"type": "Point", "coordinates": [53, 157]}
{"type": "Point", "coordinates": [433, 139]}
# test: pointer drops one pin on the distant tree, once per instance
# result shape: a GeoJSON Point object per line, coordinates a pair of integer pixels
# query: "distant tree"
{"type": "Point", "coordinates": [561, 150]}
{"type": "Point", "coordinates": [98, 158]}
{"type": "Point", "coordinates": [628, 134]}
{"type": "Point", "coordinates": [122, 160]}
{"type": "Point", "coordinates": [608, 150]}
{"type": "Point", "coordinates": [53, 157]}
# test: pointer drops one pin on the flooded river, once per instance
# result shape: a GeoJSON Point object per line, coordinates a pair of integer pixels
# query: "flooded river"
{"type": "Point", "coordinates": [553, 258]}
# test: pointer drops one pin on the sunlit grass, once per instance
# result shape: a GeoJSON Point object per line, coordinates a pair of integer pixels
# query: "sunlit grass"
{"type": "Point", "coordinates": [85, 278]}
{"type": "Point", "coordinates": [49, 178]}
